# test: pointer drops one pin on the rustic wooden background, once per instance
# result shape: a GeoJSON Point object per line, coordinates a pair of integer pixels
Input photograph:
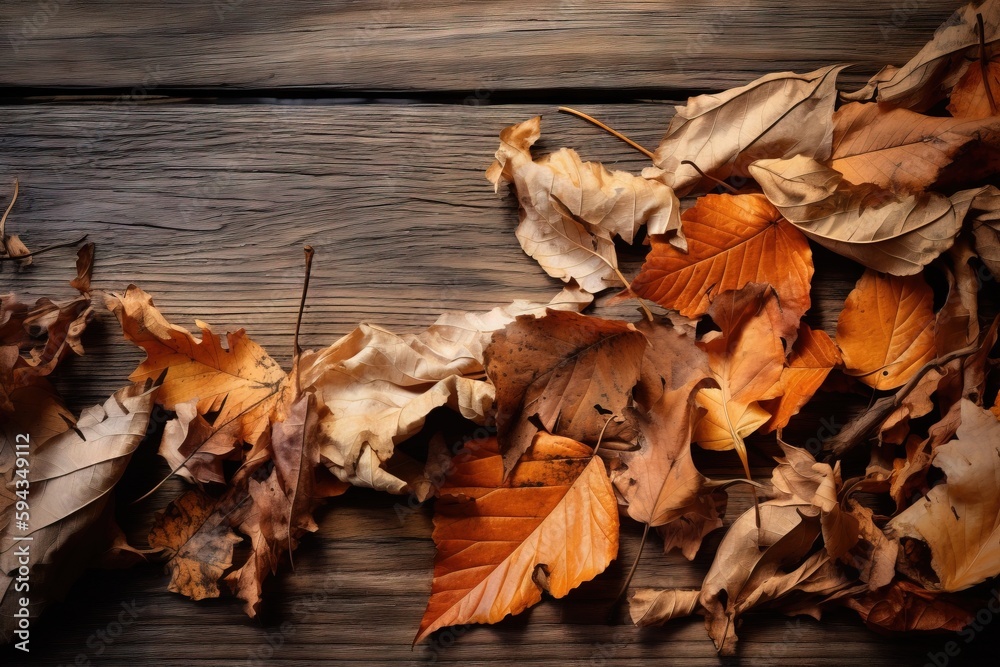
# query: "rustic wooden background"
{"type": "Point", "coordinates": [199, 145]}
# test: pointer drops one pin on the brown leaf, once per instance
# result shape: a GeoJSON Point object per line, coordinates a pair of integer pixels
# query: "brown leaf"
{"type": "Point", "coordinates": [605, 204]}
{"type": "Point", "coordinates": [71, 479]}
{"type": "Point", "coordinates": [379, 386]}
{"type": "Point", "coordinates": [555, 514]}
{"type": "Point", "coordinates": [570, 372]}
{"type": "Point", "coordinates": [907, 607]}
{"type": "Point", "coordinates": [746, 361]}
{"type": "Point", "coordinates": [895, 148]}
{"type": "Point", "coordinates": [812, 358]}
{"type": "Point", "coordinates": [778, 115]}
{"type": "Point", "coordinates": [927, 77]}
{"type": "Point", "coordinates": [960, 519]}
{"type": "Point", "coordinates": [897, 234]}
{"type": "Point", "coordinates": [886, 330]}
{"type": "Point", "coordinates": [732, 241]}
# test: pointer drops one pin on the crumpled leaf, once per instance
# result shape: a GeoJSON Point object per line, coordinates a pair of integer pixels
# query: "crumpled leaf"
{"type": "Point", "coordinates": [71, 479]}
{"type": "Point", "coordinates": [896, 148]}
{"type": "Point", "coordinates": [779, 115]}
{"type": "Point", "coordinates": [746, 360]}
{"type": "Point", "coordinates": [241, 383]}
{"type": "Point", "coordinates": [906, 607]}
{"type": "Point", "coordinates": [379, 386]}
{"type": "Point", "coordinates": [553, 521]}
{"type": "Point", "coordinates": [605, 204]}
{"type": "Point", "coordinates": [897, 234]}
{"type": "Point", "coordinates": [568, 373]}
{"type": "Point", "coordinates": [812, 358]}
{"type": "Point", "coordinates": [960, 519]}
{"type": "Point", "coordinates": [887, 329]}
{"type": "Point", "coordinates": [940, 64]}
{"type": "Point", "coordinates": [975, 94]}
{"type": "Point", "coordinates": [754, 566]}
{"type": "Point", "coordinates": [732, 240]}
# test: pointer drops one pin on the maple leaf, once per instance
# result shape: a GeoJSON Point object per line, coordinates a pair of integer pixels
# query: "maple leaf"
{"type": "Point", "coordinates": [568, 372]}
{"type": "Point", "coordinates": [812, 358]}
{"type": "Point", "coordinates": [732, 240]}
{"type": "Point", "coordinates": [553, 521]}
{"type": "Point", "coordinates": [896, 148]}
{"type": "Point", "coordinates": [886, 331]}
{"type": "Point", "coordinates": [897, 234]}
{"type": "Point", "coordinates": [241, 382]}
{"type": "Point", "coordinates": [778, 115]}
{"type": "Point", "coordinates": [746, 359]}
{"type": "Point", "coordinates": [601, 205]}
{"type": "Point", "coordinates": [71, 479]}
{"type": "Point", "coordinates": [960, 518]}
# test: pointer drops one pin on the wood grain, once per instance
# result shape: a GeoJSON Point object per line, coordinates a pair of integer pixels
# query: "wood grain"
{"type": "Point", "coordinates": [481, 46]}
{"type": "Point", "coordinates": [207, 207]}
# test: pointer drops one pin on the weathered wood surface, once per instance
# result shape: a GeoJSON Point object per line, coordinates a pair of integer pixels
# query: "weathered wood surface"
{"type": "Point", "coordinates": [207, 207]}
{"type": "Point", "coordinates": [450, 45]}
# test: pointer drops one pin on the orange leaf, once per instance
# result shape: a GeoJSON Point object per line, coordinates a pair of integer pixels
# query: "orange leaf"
{"type": "Point", "coordinates": [886, 330]}
{"type": "Point", "coordinates": [732, 240]}
{"type": "Point", "coordinates": [554, 520]}
{"type": "Point", "coordinates": [746, 361]}
{"type": "Point", "coordinates": [811, 360]}
{"type": "Point", "coordinates": [570, 372]}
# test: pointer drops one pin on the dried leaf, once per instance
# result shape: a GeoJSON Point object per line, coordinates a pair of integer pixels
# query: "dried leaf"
{"type": "Point", "coordinates": [71, 479]}
{"type": "Point", "coordinates": [886, 330]}
{"type": "Point", "coordinates": [812, 358]}
{"type": "Point", "coordinates": [605, 204]}
{"type": "Point", "coordinates": [570, 372]}
{"type": "Point", "coordinates": [555, 514]}
{"type": "Point", "coordinates": [960, 519]}
{"type": "Point", "coordinates": [897, 234]}
{"type": "Point", "coordinates": [746, 360]}
{"type": "Point", "coordinates": [732, 241]}
{"type": "Point", "coordinates": [907, 607]}
{"type": "Point", "coordinates": [778, 115]}
{"type": "Point", "coordinates": [896, 148]}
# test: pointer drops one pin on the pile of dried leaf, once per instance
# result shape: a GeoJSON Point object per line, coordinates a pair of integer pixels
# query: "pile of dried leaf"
{"type": "Point", "coordinates": [596, 418]}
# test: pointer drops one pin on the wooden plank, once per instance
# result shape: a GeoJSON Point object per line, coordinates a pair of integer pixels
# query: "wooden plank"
{"type": "Point", "coordinates": [207, 208]}
{"type": "Point", "coordinates": [482, 46]}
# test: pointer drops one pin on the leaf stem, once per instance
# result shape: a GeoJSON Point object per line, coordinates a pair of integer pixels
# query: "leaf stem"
{"type": "Point", "coordinates": [296, 351]}
{"type": "Point", "coordinates": [68, 244]}
{"type": "Point", "coordinates": [631, 571]}
{"type": "Point", "coordinates": [614, 133]}
{"type": "Point", "coordinates": [727, 186]}
{"type": "Point", "coordinates": [3, 221]}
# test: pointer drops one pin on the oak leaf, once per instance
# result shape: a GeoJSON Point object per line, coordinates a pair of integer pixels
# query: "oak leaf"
{"type": "Point", "coordinates": [960, 519]}
{"type": "Point", "coordinates": [566, 373]}
{"type": "Point", "coordinates": [552, 521]}
{"type": "Point", "coordinates": [778, 115]}
{"type": "Point", "coordinates": [732, 241]}
{"type": "Point", "coordinates": [886, 331]}
{"type": "Point", "coordinates": [601, 205]}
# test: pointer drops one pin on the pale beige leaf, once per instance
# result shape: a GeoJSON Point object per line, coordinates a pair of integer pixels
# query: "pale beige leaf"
{"type": "Point", "coordinates": [652, 606]}
{"type": "Point", "coordinates": [779, 115]}
{"type": "Point", "coordinates": [960, 518]}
